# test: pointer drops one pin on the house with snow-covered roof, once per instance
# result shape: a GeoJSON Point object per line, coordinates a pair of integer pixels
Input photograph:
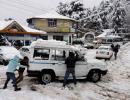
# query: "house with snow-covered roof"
{"type": "Point", "coordinates": [15, 32]}
{"type": "Point", "coordinates": [58, 27]}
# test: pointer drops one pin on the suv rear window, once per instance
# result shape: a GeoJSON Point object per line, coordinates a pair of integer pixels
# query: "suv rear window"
{"type": "Point", "coordinates": [41, 54]}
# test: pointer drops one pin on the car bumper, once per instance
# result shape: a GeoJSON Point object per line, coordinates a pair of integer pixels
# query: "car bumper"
{"type": "Point", "coordinates": [32, 73]}
{"type": "Point", "coordinates": [104, 72]}
{"type": "Point", "coordinates": [103, 56]}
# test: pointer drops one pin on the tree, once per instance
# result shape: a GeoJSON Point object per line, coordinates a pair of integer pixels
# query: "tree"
{"type": "Point", "coordinates": [4, 41]}
{"type": "Point", "coordinates": [63, 8]}
{"type": "Point", "coordinates": [118, 19]}
{"type": "Point", "coordinates": [74, 9]}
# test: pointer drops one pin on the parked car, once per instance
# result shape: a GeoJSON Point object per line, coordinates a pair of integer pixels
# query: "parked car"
{"type": "Point", "coordinates": [89, 45]}
{"type": "Point", "coordinates": [104, 52]}
{"type": "Point", "coordinates": [7, 53]}
{"type": "Point", "coordinates": [49, 67]}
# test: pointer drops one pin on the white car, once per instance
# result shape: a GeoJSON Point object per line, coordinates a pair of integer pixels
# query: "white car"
{"type": "Point", "coordinates": [47, 61]}
{"type": "Point", "coordinates": [7, 53]}
{"type": "Point", "coordinates": [104, 52]}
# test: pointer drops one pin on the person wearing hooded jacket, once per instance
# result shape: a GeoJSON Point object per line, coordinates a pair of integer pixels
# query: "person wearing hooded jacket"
{"type": "Point", "coordinates": [11, 67]}
{"type": "Point", "coordinates": [116, 49]}
{"type": "Point", "coordinates": [70, 62]}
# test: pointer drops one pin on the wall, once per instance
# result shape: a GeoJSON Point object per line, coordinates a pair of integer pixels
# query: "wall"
{"type": "Point", "coordinates": [62, 25]}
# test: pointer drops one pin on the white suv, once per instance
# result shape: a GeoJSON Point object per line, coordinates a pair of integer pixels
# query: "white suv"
{"type": "Point", "coordinates": [47, 61]}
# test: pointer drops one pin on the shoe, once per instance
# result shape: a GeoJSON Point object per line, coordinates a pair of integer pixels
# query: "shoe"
{"type": "Point", "coordinates": [4, 87]}
{"type": "Point", "coordinates": [17, 89]}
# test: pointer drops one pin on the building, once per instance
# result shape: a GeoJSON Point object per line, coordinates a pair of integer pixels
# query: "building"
{"type": "Point", "coordinates": [58, 27]}
{"type": "Point", "coordinates": [13, 31]}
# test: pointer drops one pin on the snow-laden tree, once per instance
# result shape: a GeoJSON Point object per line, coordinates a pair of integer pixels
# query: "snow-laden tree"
{"type": "Point", "coordinates": [118, 15]}
{"type": "Point", "coordinates": [74, 9]}
{"type": "Point", "coordinates": [110, 14]}
{"type": "Point", "coordinates": [4, 41]}
{"type": "Point", "coordinates": [63, 8]}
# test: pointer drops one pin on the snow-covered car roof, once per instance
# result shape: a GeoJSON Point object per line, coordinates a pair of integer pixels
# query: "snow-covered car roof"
{"type": "Point", "coordinates": [51, 44]}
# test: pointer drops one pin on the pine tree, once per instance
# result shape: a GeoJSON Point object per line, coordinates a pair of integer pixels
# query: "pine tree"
{"type": "Point", "coordinates": [74, 9]}
{"type": "Point", "coordinates": [118, 19]}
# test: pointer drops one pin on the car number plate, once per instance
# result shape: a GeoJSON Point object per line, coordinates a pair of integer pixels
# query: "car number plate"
{"type": "Point", "coordinates": [102, 52]}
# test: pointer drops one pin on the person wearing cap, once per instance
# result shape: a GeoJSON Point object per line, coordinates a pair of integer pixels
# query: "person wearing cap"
{"type": "Point", "coordinates": [70, 63]}
{"type": "Point", "coordinates": [11, 68]}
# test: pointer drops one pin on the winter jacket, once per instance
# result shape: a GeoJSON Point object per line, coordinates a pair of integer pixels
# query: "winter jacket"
{"type": "Point", "coordinates": [13, 64]}
{"type": "Point", "coordinates": [116, 48]}
{"type": "Point", "coordinates": [70, 61]}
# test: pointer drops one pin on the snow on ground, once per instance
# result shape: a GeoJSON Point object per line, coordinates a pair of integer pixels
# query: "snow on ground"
{"type": "Point", "coordinates": [114, 86]}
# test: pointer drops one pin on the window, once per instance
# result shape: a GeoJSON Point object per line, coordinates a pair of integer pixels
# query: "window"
{"type": "Point", "coordinates": [27, 42]}
{"type": "Point", "coordinates": [60, 38]}
{"type": "Point", "coordinates": [20, 35]}
{"type": "Point", "coordinates": [59, 55]}
{"type": "Point", "coordinates": [118, 40]}
{"type": "Point", "coordinates": [41, 54]}
{"type": "Point", "coordinates": [52, 22]}
{"type": "Point", "coordinates": [110, 40]}
{"type": "Point", "coordinates": [44, 37]}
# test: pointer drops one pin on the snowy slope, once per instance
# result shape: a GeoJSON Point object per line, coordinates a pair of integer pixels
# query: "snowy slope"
{"type": "Point", "coordinates": [114, 86]}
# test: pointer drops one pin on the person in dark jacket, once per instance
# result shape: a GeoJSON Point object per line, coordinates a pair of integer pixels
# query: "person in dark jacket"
{"type": "Point", "coordinates": [70, 63]}
{"type": "Point", "coordinates": [25, 63]}
{"type": "Point", "coordinates": [116, 49]}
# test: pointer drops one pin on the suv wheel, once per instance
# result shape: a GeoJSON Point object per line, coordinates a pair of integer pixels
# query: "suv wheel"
{"type": "Point", "coordinates": [46, 78]}
{"type": "Point", "coordinates": [94, 76]}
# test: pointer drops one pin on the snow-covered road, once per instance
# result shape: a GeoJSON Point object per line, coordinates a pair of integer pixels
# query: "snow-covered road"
{"type": "Point", "coordinates": [114, 86]}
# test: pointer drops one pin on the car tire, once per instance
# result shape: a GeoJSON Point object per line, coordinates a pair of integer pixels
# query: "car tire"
{"type": "Point", "coordinates": [94, 76]}
{"type": "Point", "coordinates": [46, 77]}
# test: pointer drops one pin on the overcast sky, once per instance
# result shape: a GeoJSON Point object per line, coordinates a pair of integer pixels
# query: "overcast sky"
{"type": "Point", "coordinates": [22, 9]}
